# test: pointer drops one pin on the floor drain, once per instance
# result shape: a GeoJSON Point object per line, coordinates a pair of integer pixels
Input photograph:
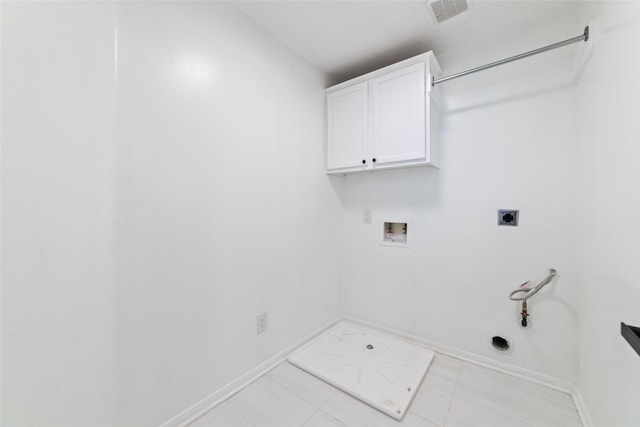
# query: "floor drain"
{"type": "Point", "coordinates": [369, 347]}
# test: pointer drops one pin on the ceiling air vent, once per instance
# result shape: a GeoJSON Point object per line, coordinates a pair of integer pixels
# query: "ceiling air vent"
{"type": "Point", "coordinates": [445, 9]}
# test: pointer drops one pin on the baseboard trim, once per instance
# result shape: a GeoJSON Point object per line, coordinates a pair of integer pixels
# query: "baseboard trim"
{"type": "Point", "coordinates": [487, 362]}
{"type": "Point", "coordinates": [192, 413]}
{"type": "Point", "coordinates": [581, 406]}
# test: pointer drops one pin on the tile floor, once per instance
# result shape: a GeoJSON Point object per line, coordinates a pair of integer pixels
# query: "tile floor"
{"type": "Point", "coordinates": [453, 393]}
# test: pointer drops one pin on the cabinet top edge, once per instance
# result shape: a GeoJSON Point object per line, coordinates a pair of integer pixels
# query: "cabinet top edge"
{"type": "Point", "coordinates": [429, 57]}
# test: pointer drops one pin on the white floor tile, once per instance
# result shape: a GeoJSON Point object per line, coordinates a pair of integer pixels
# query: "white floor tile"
{"type": "Point", "coordinates": [222, 415]}
{"type": "Point", "coordinates": [465, 413]}
{"type": "Point", "coordinates": [487, 397]}
{"type": "Point", "coordinates": [353, 413]}
{"type": "Point", "coordinates": [210, 419]}
{"type": "Point", "coordinates": [446, 366]}
{"type": "Point", "coordinates": [266, 403]}
{"type": "Point", "coordinates": [473, 372]}
{"type": "Point", "coordinates": [310, 388]}
{"type": "Point", "coordinates": [436, 392]}
{"type": "Point", "coordinates": [322, 419]}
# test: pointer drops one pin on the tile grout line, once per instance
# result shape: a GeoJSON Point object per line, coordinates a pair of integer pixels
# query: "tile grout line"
{"type": "Point", "coordinates": [275, 393]}
{"type": "Point", "coordinates": [240, 413]}
{"type": "Point", "coordinates": [421, 417]}
{"type": "Point", "coordinates": [453, 394]}
{"type": "Point", "coordinates": [231, 396]}
{"type": "Point", "coordinates": [308, 419]}
{"type": "Point", "coordinates": [241, 416]}
{"type": "Point", "coordinates": [299, 395]}
{"type": "Point", "coordinates": [318, 408]}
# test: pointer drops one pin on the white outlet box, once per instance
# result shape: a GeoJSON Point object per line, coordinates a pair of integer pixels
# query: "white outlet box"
{"type": "Point", "coordinates": [366, 216]}
{"type": "Point", "coordinates": [262, 323]}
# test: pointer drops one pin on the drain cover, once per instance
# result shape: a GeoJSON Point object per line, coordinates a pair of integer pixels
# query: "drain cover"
{"type": "Point", "coordinates": [369, 347]}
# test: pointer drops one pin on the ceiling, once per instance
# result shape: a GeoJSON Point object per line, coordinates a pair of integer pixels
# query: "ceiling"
{"type": "Point", "coordinates": [349, 38]}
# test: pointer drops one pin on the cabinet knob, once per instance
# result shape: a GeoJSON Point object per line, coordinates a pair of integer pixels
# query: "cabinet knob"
{"type": "Point", "coordinates": [373, 160]}
{"type": "Point", "coordinates": [364, 161]}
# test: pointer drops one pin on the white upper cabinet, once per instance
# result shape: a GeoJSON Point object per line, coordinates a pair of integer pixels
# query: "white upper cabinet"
{"type": "Point", "coordinates": [347, 121]}
{"type": "Point", "coordinates": [384, 119]}
{"type": "Point", "coordinates": [398, 119]}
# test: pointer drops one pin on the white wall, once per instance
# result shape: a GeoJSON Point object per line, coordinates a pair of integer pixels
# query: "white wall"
{"type": "Point", "coordinates": [57, 214]}
{"type": "Point", "coordinates": [149, 218]}
{"type": "Point", "coordinates": [508, 142]}
{"type": "Point", "coordinates": [608, 240]}
{"type": "Point", "coordinates": [223, 208]}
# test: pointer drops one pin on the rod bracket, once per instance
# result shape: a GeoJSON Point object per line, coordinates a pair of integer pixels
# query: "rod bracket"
{"type": "Point", "coordinates": [586, 33]}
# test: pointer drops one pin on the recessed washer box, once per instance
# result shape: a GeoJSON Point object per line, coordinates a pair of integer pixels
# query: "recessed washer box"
{"type": "Point", "coordinates": [396, 232]}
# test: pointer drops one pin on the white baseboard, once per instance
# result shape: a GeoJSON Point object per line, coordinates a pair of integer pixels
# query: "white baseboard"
{"type": "Point", "coordinates": [190, 414]}
{"type": "Point", "coordinates": [581, 406]}
{"type": "Point", "coordinates": [487, 362]}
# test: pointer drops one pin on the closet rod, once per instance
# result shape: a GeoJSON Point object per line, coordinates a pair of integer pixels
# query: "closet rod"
{"type": "Point", "coordinates": [583, 37]}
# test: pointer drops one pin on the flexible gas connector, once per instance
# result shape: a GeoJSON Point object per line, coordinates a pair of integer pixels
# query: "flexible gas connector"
{"type": "Point", "coordinates": [528, 291]}
{"type": "Point", "coordinates": [525, 291]}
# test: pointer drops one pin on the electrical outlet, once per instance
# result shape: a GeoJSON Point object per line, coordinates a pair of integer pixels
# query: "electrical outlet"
{"type": "Point", "coordinates": [366, 216]}
{"type": "Point", "coordinates": [508, 217]}
{"type": "Point", "coordinates": [262, 323]}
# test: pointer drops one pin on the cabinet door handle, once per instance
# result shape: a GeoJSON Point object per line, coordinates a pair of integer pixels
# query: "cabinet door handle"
{"type": "Point", "coordinates": [364, 161]}
{"type": "Point", "coordinates": [373, 160]}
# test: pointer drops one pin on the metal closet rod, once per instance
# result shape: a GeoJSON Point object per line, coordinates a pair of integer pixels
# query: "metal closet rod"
{"type": "Point", "coordinates": [583, 37]}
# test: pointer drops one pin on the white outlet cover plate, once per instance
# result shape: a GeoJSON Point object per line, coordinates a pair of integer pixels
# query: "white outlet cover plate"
{"type": "Point", "coordinates": [366, 216]}
{"type": "Point", "coordinates": [385, 375]}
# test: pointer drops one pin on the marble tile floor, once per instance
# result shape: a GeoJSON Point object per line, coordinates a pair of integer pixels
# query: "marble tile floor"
{"type": "Point", "coordinates": [453, 393]}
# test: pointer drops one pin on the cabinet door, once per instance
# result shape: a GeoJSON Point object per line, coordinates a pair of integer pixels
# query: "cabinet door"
{"type": "Point", "coordinates": [398, 116]}
{"type": "Point", "coordinates": [347, 127]}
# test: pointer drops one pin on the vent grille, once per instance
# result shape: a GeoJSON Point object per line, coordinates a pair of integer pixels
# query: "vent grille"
{"type": "Point", "coordinates": [446, 9]}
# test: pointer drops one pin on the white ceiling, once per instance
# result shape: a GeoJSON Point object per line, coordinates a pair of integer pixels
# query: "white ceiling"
{"type": "Point", "coordinates": [349, 38]}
